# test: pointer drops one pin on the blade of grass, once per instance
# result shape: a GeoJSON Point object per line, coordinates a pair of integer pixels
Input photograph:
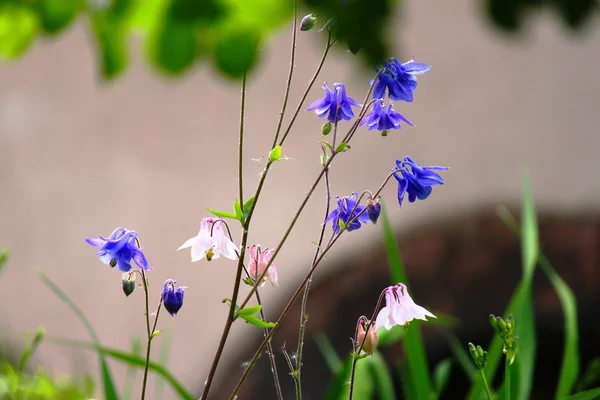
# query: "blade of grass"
{"type": "Point", "coordinates": [384, 385]}
{"type": "Point", "coordinates": [460, 354]}
{"type": "Point", "coordinates": [587, 395]}
{"type": "Point", "coordinates": [136, 348]}
{"type": "Point", "coordinates": [417, 368]}
{"type": "Point", "coordinates": [333, 361]}
{"type": "Point", "coordinates": [569, 370]}
{"type": "Point", "coordinates": [520, 305]}
{"type": "Point", "coordinates": [133, 360]}
{"type": "Point", "coordinates": [110, 391]}
{"type": "Point", "coordinates": [441, 373]}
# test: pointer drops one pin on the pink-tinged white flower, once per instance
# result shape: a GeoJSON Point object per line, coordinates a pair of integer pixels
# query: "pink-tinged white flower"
{"type": "Point", "coordinates": [399, 308]}
{"type": "Point", "coordinates": [211, 241]}
{"type": "Point", "coordinates": [259, 258]}
{"type": "Point", "coordinates": [367, 338]}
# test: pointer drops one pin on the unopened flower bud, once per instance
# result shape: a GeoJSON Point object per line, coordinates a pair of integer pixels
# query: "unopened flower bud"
{"type": "Point", "coordinates": [370, 341]}
{"type": "Point", "coordinates": [326, 128]}
{"type": "Point", "coordinates": [373, 209]}
{"type": "Point", "coordinates": [172, 298]}
{"type": "Point", "coordinates": [128, 283]}
{"type": "Point", "coordinates": [478, 354]}
{"type": "Point", "coordinates": [308, 22]}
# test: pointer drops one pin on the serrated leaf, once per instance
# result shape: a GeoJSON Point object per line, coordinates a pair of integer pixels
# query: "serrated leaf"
{"type": "Point", "coordinates": [239, 215]}
{"type": "Point", "coordinates": [249, 311]}
{"type": "Point", "coordinates": [275, 153]}
{"type": "Point", "coordinates": [222, 214]}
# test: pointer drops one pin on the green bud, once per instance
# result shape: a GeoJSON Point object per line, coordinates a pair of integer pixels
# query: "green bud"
{"type": "Point", "coordinates": [494, 322]}
{"type": "Point", "coordinates": [326, 128]}
{"type": "Point", "coordinates": [479, 355]}
{"type": "Point", "coordinates": [128, 283]}
{"type": "Point", "coordinates": [308, 22]}
{"type": "Point", "coordinates": [324, 158]}
{"type": "Point", "coordinates": [275, 154]}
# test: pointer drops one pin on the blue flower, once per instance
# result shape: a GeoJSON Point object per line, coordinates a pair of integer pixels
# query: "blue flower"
{"type": "Point", "coordinates": [336, 102]}
{"type": "Point", "coordinates": [119, 249]}
{"type": "Point", "coordinates": [373, 209]}
{"type": "Point", "coordinates": [172, 299]}
{"type": "Point", "coordinates": [381, 119]}
{"type": "Point", "coordinates": [399, 79]}
{"type": "Point", "coordinates": [346, 211]}
{"type": "Point", "coordinates": [416, 180]}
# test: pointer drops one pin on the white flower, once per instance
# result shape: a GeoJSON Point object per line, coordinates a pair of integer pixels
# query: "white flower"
{"type": "Point", "coordinates": [399, 309]}
{"type": "Point", "coordinates": [211, 241]}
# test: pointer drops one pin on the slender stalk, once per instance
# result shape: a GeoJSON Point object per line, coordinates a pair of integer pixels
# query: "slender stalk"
{"type": "Point", "coordinates": [310, 85]}
{"type": "Point", "coordinates": [149, 331]}
{"type": "Point", "coordinates": [241, 143]}
{"type": "Point", "coordinates": [269, 347]}
{"type": "Point", "coordinates": [303, 315]}
{"type": "Point", "coordinates": [485, 384]}
{"type": "Point", "coordinates": [352, 374]}
{"type": "Point", "coordinates": [240, 266]}
{"type": "Point", "coordinates": [507, 394]}
{"type": "Point", "coordinates": [296, 294]}
{"type": "Point", "coordinates": [290, 74]}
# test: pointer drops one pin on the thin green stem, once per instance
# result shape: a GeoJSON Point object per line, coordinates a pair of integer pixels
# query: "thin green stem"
{"type": "Point", "coordinates": [485, 384]}
{"type": "Point", "coordinates": [507, 394]}
{"type": "Point", "coordinates": [241, 143]}
{"type": "Point", "coordinates": [310, 85]}
{"type": "Point", "coordinates": [240, 266]}
{"type": "Point", "coordinates": [352, 374]}
{"type": "Point", "coordinates": [303, 314]}
{"type": "Point", "coordinates": [290, 74]}
{"type": "Point", "coordinates": [150, 332]}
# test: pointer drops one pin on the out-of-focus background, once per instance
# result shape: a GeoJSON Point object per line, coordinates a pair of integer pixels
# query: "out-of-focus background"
{"type": "Point", "coordinates": [79, 158]}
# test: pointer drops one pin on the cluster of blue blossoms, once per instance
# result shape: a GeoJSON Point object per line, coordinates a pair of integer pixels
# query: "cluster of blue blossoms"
{"type": "Point", "coordinates": [118, 250]}
{"type": "Point", "coordinates": [397, 80]}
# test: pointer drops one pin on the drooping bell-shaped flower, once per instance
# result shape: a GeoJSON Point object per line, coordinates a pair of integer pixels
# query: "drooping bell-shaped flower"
{"type": "Point", "coordinates": [259, 258]}
{"type": "Point", "coordinates": [416, 180]}
{"type": "Point", "coordinates": [346, 214]}
{"type": "Point", "coordinates": [398, 79]}
{"type": "Point", "coordinates": [119, 249]}
{"type": "Point", "coordinates": [211, 241]}
{"type": "Point", "coordinates": [172, 298]}
{"type": "Point", "coordinates": [399, 308]}
{"type": "Point", "coordinates": [383, 120]}
{"type": "Point", "coordinates": [336, 105]}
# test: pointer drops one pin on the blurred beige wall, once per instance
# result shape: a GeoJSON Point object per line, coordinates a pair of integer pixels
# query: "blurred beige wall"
{"type": "Point", "coordinates": [80, 158]}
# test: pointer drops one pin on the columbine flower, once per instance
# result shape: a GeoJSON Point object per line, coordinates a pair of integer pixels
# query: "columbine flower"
{"type": "Point", "coordinates": [128, 283]}
{"type": "Point", "coordinates": [373, 209]}
{"type": "Point", "coordinates": [172, 299]}
{"type": "Point", "coordinates": [417, 181]}
{"type": "Point", "coordinates": [118, 250]}
{"type": "Point", "coordinates": [399, 309]}
{"type": "Point", "coordinates": [381, 119]}
{"type": "Point", "coordinates": [399, 79]}
{"type": "Point", "coordinates": [259, 258]}
{"type": "Point", "coordinates": [211, 241]}
{"type": "Point", "coordinates": [336, 102]}
{"type": "Point", "coordinates": [308, 22]}
{"type": "Point", "coordinates": [344, 213]}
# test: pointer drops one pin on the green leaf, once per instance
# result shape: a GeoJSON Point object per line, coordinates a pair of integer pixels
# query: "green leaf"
{"type": "Point", "coordinates": [249, 311]}
{"type": "Point", "coordinates": [111, 39]}
{"type": "Point", "coordinates": [275, 153]}
{"type": "Point", "coordinates": [172, 47]}
{"type": "Point", "coordinates": [247, 206]}
{"type": "Point", "coordinates": [364, 386]}
{"type": "Point", "coordinates": [381, 377]}
{"type": "Point", "coordinates": [530, 242]}
{"type": "Point", "coordinates": [156, 332]}
{"type": "Point", "coordinates": [222, 214]}
{"type": "Point", "coordinates": [19, 26]}
{"type": "Point", "coordinates": [136, 348]}
{"type": "Point", "coordinates": [4, 256]}
{"type": "Point", "coordinates": [460, 354]}
{"type": "Point", "coordinates": [570, 363]}
{"type": "Point", "coordinates": [587, 395]}
{"type": "Point", "coordinates": [239, 215]}
{"type": "Point", "coordinates": [257, 321]}
{"type": "Point", "coordinates": [110, 391]}
{"type": "Point", "coordinates": [236, 52]}
{"type": "Point", "coordinates": [441, 373]}
{"type": "Point", "coordinates": [132, 360]}
{"type": "Point", "coordinates": [56, 15]}
{"type": "Point", "coordinates": [417, 368]}
{"type": "Point", "coordinates": [32, 348]}
{"type": "Point", "coordinates": [590, 376]}
{"type": "Point", "coordinates": [333, 361]}
{"type": "Point", "coordinates": [342, 147]}
{"type": "Point", "coordinates": [163, 358]}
